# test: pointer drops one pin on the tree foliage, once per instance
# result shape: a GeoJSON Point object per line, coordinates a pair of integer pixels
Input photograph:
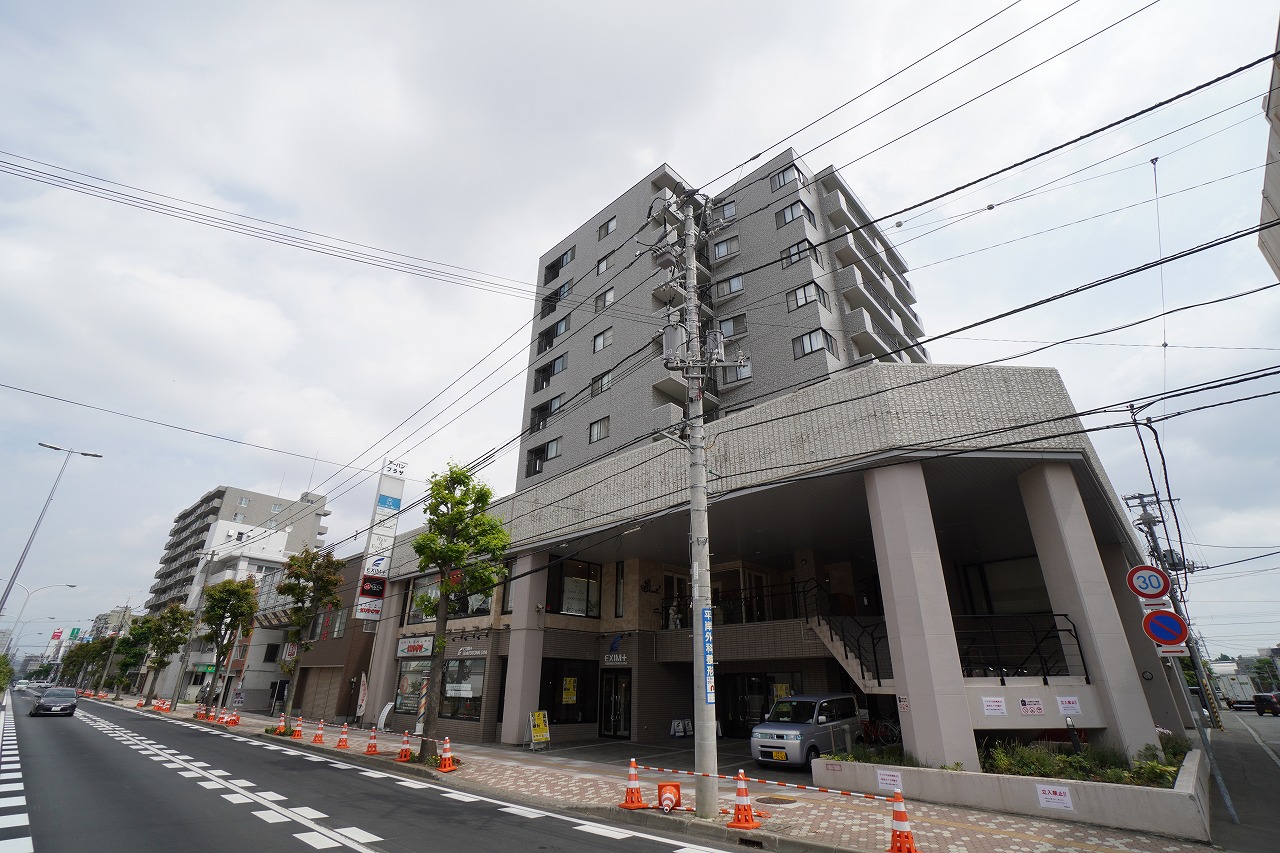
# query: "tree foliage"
{"type": "Point", "coordinates": [310, 580]}
{"type": "Point", "coordinates": [229, 607]}
{"type": "Point", "coordinates": [84, 661]}
{"type": "Point", "coordinates": [463, 547]}
{"type": "Point", "coordinates": [1264, 670]}
{"type": "Point", "coordinates": [6, 669]}
{"type": "Point", "coordinates": [168, 633]}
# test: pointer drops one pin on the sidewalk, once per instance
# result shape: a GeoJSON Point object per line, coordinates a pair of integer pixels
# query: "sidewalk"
{"type": "Point", "coordinates": [797, 821]}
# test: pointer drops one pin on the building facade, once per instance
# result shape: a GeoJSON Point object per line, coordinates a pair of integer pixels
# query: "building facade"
{"type": "Point", "coordinates": [794, 273]}
{"type": "Point", "coordinates": [1269, 239]}
{"type": "Point", "coordinates": [111, 622]}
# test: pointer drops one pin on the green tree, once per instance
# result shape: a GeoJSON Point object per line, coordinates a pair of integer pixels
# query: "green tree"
{"type": "Point", "coordinates": [131, 651]}
{"type": "Point", "coordinates": [6, 669]}
{"type": "Point", "coordinates": [463, 547]}
{"type": "Point", "coordinates": [1264, 670]}
{"type": "Point", "coordinates": [169, 633]}
{"type": "Point", "coordinates": [310, 580]}
{"type": "Point", "coordinates": [228, 609]}
{"type": "Point", "coordinates": [84, 661]}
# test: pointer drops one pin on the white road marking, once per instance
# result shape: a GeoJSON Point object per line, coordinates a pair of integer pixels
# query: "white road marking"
{"type": "Point", "coordinates": [12, 786]}
{"type": "Point", "coordinates": [9, 820]}
{"type": "Point", "coordinates": [606, 831]}
{"type": "Point", "coordinates": [209, 783]}
{"type": "Point", "coordinates": [357, 834]}
{"type": "Point", "coordinates": [236, 798]}
{"type": "Point", "coordinates": [307, 812]}
{"type": "Point", "coordinates": [17, 845]}
{"type": "Point", "coordinates": [316, 840]}
{"type": "Point", "coordinates": [460, 797]}
{"type": "Point", "coordinates": [242, 783]}
{"type": "Point", "coordinates": [272, 796]}
{"type": "Point", "coordinates": [271, 817]}
{"type": "Point", "coordinates": [11, 802]}
{"type": "Point", "coordinates": [521, 811]}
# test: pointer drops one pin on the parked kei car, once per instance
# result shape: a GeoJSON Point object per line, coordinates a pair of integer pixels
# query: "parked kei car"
{"type": "Point", "coordinates": [800, 728]}
{"type": "Point", "coordinates": [55, 700]}
{"type": "Point", "coordinates": [1267, 703]}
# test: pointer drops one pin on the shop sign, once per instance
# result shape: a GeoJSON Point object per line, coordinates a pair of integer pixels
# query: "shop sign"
{"type": "Point", "coordinates": [413, 647]}
{"type": "Point", "coordinates": [569, 691]}
{"type": "Point", "coordinates": [382, 536]}
{"type": "Point", "coordinates": [539, 731]}
{"type": "Point", "coordinates": [472, 652]}
{"type": "Point", "coordinates": [616, 659]}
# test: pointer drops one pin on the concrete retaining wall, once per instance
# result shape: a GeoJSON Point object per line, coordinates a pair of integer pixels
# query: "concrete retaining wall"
{"type": "Point", "coordinates": [1181, 812]}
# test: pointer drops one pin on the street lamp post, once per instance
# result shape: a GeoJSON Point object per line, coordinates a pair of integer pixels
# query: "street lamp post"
{"type": "Point", "coordinates": [22, 609]}
{"type": "Point", "coordinates": [4, 598]}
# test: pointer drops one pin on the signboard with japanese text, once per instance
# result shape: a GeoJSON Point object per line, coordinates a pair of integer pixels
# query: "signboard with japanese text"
{"type": "Point", "coordinates": [539, 730]}
{"type": "Point", "coordinates": [1031, 707]}
{"type": "Point", "coordinates": [994, 706]}
{"type": "Point", "coordinates": [1055, 797]}
{"type": "Point", "coordinates": [382, 536]}
{"type": "Point", "coordinates": [1069, 706]}
{"type": "Point", "coordinates": [708, 657]}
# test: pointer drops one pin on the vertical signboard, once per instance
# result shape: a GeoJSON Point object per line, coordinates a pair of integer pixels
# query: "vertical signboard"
{"type": "Point", "coordinates": [382, 535]}
{"type": "Point", "coordinates": [708, 657]}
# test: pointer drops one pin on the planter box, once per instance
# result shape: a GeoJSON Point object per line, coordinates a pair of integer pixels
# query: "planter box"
{"type": "Point", "coordinates": [1181, 811]}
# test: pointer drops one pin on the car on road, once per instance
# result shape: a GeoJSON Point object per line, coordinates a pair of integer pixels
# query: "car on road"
{"type": "Point", "coordinates": [56, 700]}
{"type": "Point", "coordinates": [800, 728]}
{"type": "Point", "coordinates": [21, 685]}
{"type": "Point", "coordinates": [1265, 703]}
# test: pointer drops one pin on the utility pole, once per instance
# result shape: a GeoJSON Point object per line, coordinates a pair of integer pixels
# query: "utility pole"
{"type": "Point", "coordinates": [102, 675]}
{"type": "Point", "coordinates": [687, 356]}
{"type": "Point", "coordinates": [1147, 522]}
{"type": "Point", "coordinates": [195, 626]}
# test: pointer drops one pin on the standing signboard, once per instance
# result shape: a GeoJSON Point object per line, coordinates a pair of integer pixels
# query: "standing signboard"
{"type": "Point", "coordinates": [382, 536]}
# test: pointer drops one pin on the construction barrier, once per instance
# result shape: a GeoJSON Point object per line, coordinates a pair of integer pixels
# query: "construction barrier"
{"type": "Point", "coordinates": [406, 754]}
{"type": "Point", "coordinates": [297, 730]}
{"type": "Point", "coordinates": [371, 748]}
{"type": "Point", "coordinates": [318, 737]}
{"type": "Point", "coordinates": [342, 738]}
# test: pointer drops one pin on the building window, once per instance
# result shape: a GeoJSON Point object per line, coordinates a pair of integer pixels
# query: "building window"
{"type": "Point", "coordinates": [729, 287]}
{"type": "Point", "coordinates": [786, 176]}
{"type": "Point", "coordinates": [573, 587]}
{"type": "Point", "coordinates": [509, 564]}
{"type": "Point", "coordinates": [816, 340]}
{"type": "Point", "coordinates": [598, 430]}
{"type": "Point", "coordinates": [798, 252]}
{"type": "Point", "coordinates": [277, 507]}
{"type": "Point", "coordinates": [548, 336]}
{"type": "Point", "coordinates": [542, 376]}
{"type": "Point", "coordinates": [726, 247]}
{"type": "Point", "coordinates": [244, 502]}
{"type": "Point", "coordinates": [733, 325]}
{"type": "Point", "coordinates": [619, 587]}
{"type": "Point", "coordinates": [602, 339]}
{"type": "Point", "coordinates": [463, 689]}
{"type": "Point", "coordinates": [607, 228]}
{"type": "Point", "coordinates": [604, 263]}
{"type": "Point", "coordinates": [238, 518]}
{"type": "Point", "coordinates": [271, 524]}
{"type": "Point", "coordinates": [728, 210]}
{"type": "Point", "coordinates": [604, 300]}
{"type": "Point", "coordinates": [553, 268]}
{"type": "Point", "coordinates": [569, 690]}
{"type": "Point", "coordinates": [806, 294]}
{"type": "Point", "coordinates": [538, 456]}
{"type": "Point", "coordinates": [538, 415]}
{"type": "Point", "coordinates": [338, 627]}
{"type": "Point", "coordinates": [410, 684]}
{"type": "Point", "coordinates": [737, 372]}
{"type": "Point", "coordinates": [370, 625]}
{"type": "Point", "coordinates": [271, 653]}
{"type": "Point", "coordinates": [793, 212]}
{"type": "Point", "coordinates": [602, 383]}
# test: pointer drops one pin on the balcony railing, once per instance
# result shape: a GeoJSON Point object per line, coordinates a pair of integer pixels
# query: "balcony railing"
{"type": "Point", "coordinates": [1039, 645]}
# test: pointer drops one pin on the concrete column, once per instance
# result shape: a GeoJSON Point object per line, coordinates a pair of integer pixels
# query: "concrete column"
{"type": "Point", "coordinates": [384, 669]}
{"type": "Point", "coordinates": [1077, 585]}
{"type": "Point", "coordinates": [936, 726]}
{"type": "Point", "coordinates": [1161, 700]}
{"type": "Point", "coordinates": [524, 656]}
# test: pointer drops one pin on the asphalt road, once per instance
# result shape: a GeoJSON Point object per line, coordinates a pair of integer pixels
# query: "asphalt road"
{"type": "Point", "coordinates": [1252, 775]}
{"type": "Point", "coordinates": [112, 780]}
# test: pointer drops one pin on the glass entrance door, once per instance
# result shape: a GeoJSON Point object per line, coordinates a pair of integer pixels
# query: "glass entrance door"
{"type": "Point", "coordinates": [615, 701]}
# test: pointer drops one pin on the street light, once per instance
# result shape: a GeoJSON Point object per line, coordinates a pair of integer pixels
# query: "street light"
{"type": "Point", "coordinates": [31, 592]}
{"type": "Point", "coordinates": [5, 597]}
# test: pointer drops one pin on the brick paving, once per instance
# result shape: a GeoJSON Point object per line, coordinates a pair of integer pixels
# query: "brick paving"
{"type": "Point", "coordinates": [796, 819]}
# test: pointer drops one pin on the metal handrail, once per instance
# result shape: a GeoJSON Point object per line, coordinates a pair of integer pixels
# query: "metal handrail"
{"type": "Point", "coordinates": [1019, 645]}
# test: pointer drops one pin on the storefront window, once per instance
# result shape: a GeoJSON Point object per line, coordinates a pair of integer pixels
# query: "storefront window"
{"type": "Point", "coordinates": [463, 688]}
{"type": "Point", "coordinates": [410, 684]}
{"type": "Point", "coordinates": [573, 587]}
{"type": "Point", "coordinates": [570, 690]}
{"type": "Point", "coordinates": [476, 604]}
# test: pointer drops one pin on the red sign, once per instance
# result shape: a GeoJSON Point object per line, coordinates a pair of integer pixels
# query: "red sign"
{"type": "Point", "coordinates": [1148, 582]}
{"type": "Point", "coordinates": [57, 635]}
{"type": "Point", "coordinates": [1165, 627]}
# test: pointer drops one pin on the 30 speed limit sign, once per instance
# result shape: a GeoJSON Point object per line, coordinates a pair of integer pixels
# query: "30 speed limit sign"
{"type": "Point", "coordinates": [1148, 582]}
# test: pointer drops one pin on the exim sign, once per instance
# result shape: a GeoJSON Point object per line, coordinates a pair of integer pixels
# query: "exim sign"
{"type": "Point", "coordinates": [382, 535]}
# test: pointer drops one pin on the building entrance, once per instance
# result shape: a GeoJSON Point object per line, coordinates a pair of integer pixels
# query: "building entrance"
{"type": "Point", "coordinates": [615, 703]}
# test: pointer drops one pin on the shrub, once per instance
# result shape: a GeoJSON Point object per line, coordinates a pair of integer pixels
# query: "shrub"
{"type": "Point", "coordinates": [893, 755]}
{"type": "Point", "coordinates": [1093, 764]}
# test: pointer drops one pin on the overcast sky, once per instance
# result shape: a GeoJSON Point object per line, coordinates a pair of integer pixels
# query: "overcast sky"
{"type": "Point", "coordinates": [477, 135]}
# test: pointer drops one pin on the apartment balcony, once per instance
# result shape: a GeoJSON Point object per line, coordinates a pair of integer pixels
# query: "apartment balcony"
{"type": "Point", "coordinates": [674, 385]}
{"type": "Point", "coordinates": [664, 208]}
{"type": "Point", "coordinates": [664, 417]}
{"type": "Point", "coordinates": [838, 211]}
{"type": "Point", "coordinates": [871, 337]}
{"type": "Point", "coordinates": [862, 291]}
{"type": "Point", "coordinates": [843, 247]}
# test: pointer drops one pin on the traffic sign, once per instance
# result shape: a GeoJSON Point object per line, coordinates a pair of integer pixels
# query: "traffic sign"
{"type": "Point", "coordinates": [1148, 582]}
{"type": "Point", "coordinates": [1165, 627]}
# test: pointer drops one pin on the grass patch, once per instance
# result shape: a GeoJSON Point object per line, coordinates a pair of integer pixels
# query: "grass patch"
{"type": "Point", "coordinates": [893, 755]}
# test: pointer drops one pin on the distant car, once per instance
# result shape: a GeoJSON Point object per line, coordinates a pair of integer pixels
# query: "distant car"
{"type": "Point", "coordinates": [1242, 704]}
{"type": "Point", "coordinates": [800, 728]}
{"type": "Point", "coordinates": [21, 685]}
{"type": "Point", "coordinates": [56, 700]}
{"type": "Point", "coordinates": [1267, 702]}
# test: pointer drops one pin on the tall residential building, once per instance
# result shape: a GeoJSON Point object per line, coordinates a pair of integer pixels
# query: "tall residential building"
{"type": "Point", "coordinates": [111, 622]}
{"type": "Point", "coordinates": [794, 274]}
{"type": "Point", "coordinates": [229, 519]}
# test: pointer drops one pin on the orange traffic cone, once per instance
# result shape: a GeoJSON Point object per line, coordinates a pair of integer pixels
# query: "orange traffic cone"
{"type": "Point", "coordinates": [222, 716]}
{"type": "Point", "coordinates": [634, 799]}
{"type": "Point", "coordinates": [743, 818]}
{"type": "Point", "coordinates": [199, 712]}
{"type": "Point", "coordinates": [342, 738]}
{"type": "Point", "coordinates": [406, 754]}
{"type": "Point", "coordinates": [668, 796]}
{"type": "Point", "coordinates": [281, 726]}
{"type": "Point", "coordinates": [139, 704]}
{"type": "Point", "coordinates": [234, 719]}
{"type": "Point", "coordinates": [446, 759]}
{"type": "Point", "coordinates": [318, 737]}
{"type": "Point", "coordinates": [297, 730]}
{"type": "Point", "coordinates": [371, 748]}
{"type": "Point", "coordinates": [902, 841]}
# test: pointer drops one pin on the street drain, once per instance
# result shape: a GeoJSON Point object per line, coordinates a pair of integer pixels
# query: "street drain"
{"type": "Point", "coordinates": [776, 801]}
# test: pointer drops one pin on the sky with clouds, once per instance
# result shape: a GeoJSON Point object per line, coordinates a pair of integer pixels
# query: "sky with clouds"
{"type": "Point", "coordinates": [467, 139]}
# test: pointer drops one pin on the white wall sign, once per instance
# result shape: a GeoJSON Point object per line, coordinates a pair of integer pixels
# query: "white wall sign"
{"type": "Point", "coordinates": [1055, 797]}
{"type": "Point", "coordinates": [1069, 706]}
{"type": "Point", "coordinates": [993, 706]}
{"type": "Point", "coordinates": [888, 780]}
{"type": "Point", "coordinates": [1031, 707]}
{"type": "Point", "coordinates": [903, 705]}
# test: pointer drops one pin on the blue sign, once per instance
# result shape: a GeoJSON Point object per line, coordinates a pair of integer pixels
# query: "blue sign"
{"type": "Point", "coordinates": [708, 657]}
{"type": "Point", "coordinates": [1165, 627]}
{"type": "Point", "coordinates": [388, 502]}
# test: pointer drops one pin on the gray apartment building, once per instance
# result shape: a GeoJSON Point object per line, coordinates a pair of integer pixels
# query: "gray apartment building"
{"type": "Point", "coordinates": [799, 281]}
{"type": "Point", "coordinates": [229, 534]}
{"type": "Point", "coordinates": [940, 540]}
